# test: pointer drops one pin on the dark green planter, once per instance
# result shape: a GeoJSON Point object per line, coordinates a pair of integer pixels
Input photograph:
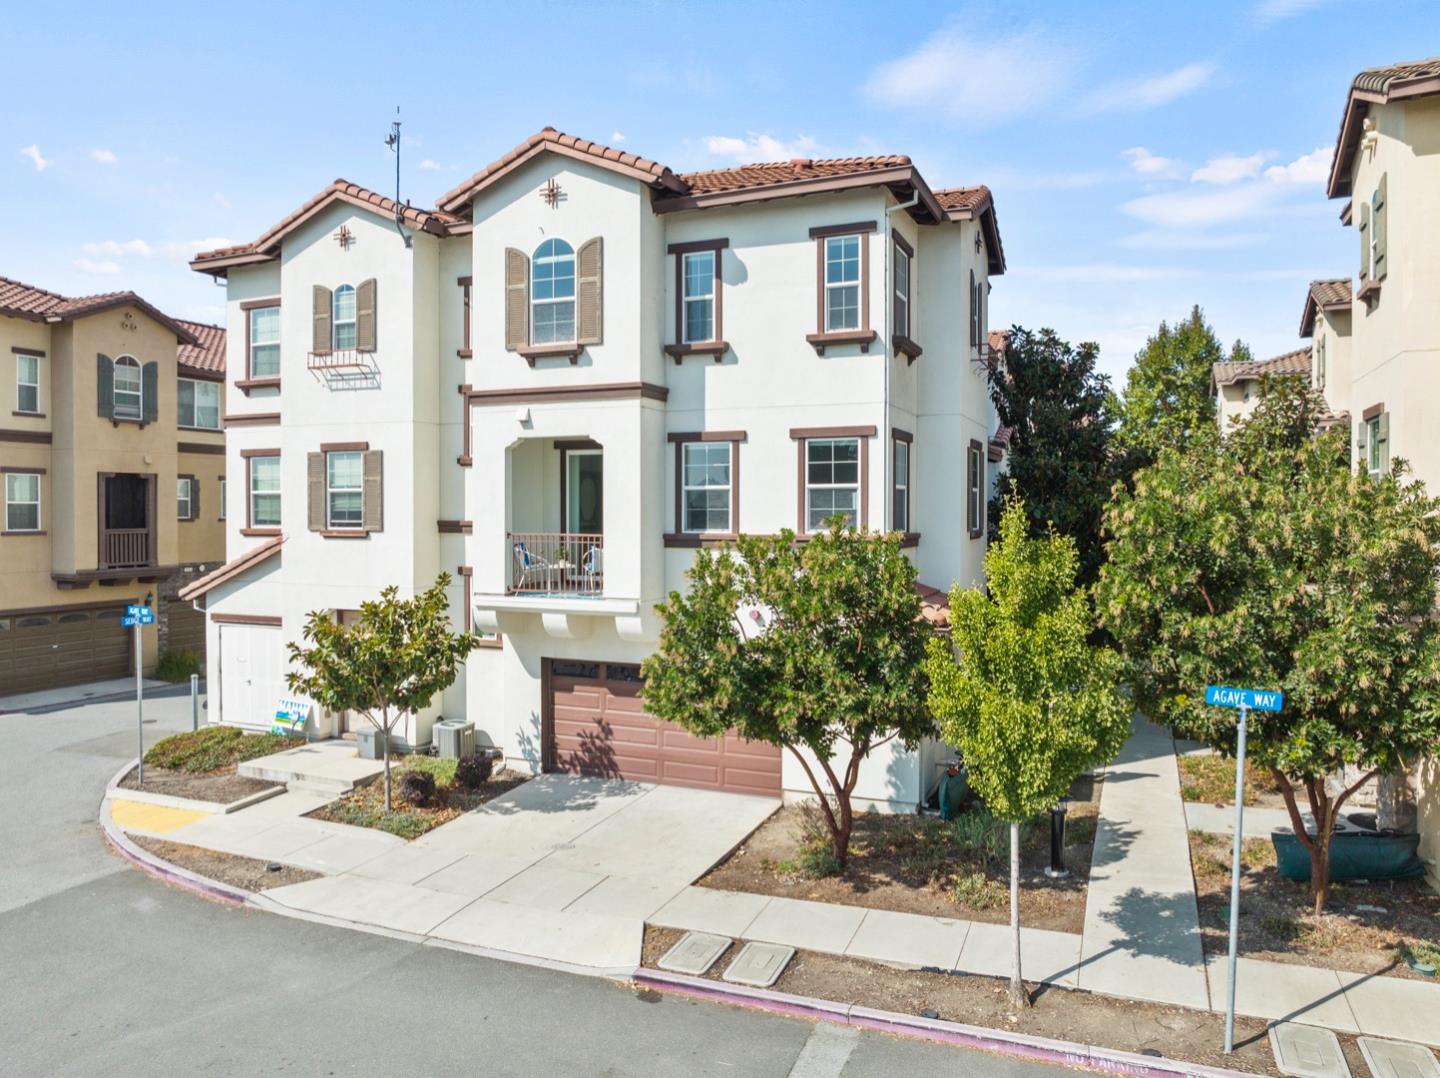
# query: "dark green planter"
{"type": "Point", "coordinates": [1354, 855]}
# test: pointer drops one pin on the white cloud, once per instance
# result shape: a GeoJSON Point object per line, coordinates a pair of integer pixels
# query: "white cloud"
{"type": "Point", "coordinates": [981, 82]}
{"type": "Point", "coordinates": [1228, 168]}
{"type": "Point", "coordinates": [88, 265]}
{"type": "Point", "coordinates": [1136, 95]}
{"type": "Point", "coordinates": [104, 157]}
{"type": "Point", "coordinates": [429, 165]}
{"type": "Point", "coordinates": [137, 248]}
{"type": "Point", "coordinates": [1154, 239]}
{"type": "Point", "coordinates": [1148, 164]}
{"type": "Point", "coordinates": [1188, 208]}
{"type": "Point", "coordinates": [617, 138]}
{"type": "Point", "coordinates": [1272, 11]}
{"type": "Point", "coordinates": [119, 248]}
{"type": "Point", "coordinates": [1313, 167]}
{"type": "Point", "coordinates": [755, 147]}
{"type": "Point", "coordinates": [36, 157]}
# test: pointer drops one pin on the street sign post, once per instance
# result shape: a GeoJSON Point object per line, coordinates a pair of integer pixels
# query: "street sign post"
{"type": "Point", "coordinates": [1244, 701]}
{"type": "Point", "coordinates": [136, 616]}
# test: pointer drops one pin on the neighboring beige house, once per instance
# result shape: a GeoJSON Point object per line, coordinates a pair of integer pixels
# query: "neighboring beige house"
{"type": "Point", "coordinates": [111, 456]}
{"type": "Point", "coordinates": [556, 385]}
{"type": "Point", "coordinates": [1237, 385]}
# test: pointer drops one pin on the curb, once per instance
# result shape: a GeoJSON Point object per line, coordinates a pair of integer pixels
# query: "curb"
{"type": "Point", "coordinates": [1015, 1045]}
{"type": "Point", "coordinates": [215, 808]}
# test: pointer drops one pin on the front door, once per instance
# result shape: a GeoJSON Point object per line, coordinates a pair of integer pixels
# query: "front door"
{"type": "Point", "coordinates": [584, 491]}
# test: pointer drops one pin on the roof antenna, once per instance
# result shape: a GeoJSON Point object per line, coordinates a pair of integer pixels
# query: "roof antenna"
{"type": "Point", "coordinates": [393, 141]}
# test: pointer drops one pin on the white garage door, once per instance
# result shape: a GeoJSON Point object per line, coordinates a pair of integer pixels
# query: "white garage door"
{"type": "Point", "coordinates": [251, 674]}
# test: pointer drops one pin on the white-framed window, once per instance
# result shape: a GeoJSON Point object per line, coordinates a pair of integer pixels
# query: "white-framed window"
{"type": "Point", "coordinates": [832, 481]}
{"type": "Point", "coordinates": [185, 498]}
{"type": "Point", "coordinates": [343, 322]}
{"type": "Point", "coordinates": [842, 283]}
{"type": "Point", "coordinates": [222, 497]}
{"type": "Point", "coordinates": [902, 292]}
{"type": "Point", "coordinates": [22, 501]}
{"type": "Point", "coordinates": [1320, 363]}
{"type": "Point", "coordinates": [975, 490]}
{"type": "Point", "coordinates": [27, 383]}
{"type": "Point", "coordinates": [901, 491]}
{"type": "Point", "coordinates": [705, 486]}
{"type": "Point", "coordinates": [698, 301]}
{"type": "Point", "coordinates": [265, 342]}
{"type": "Point", "coordinates": [552, 293]}
{"type": "Point", "coordinates": [344, 489]}
{"type": "Point", "coordinates": [265, 492]}
{"type": "Point", "coordinates": [199, 404]}
{"type": "Point", "coordinates": [1374, 450]}
{"type": "Point", "coordinates": [129, 397]}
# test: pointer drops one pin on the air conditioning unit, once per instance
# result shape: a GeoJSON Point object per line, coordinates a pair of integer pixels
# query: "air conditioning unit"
{"type": "Point", "coordinates": [454, 740]}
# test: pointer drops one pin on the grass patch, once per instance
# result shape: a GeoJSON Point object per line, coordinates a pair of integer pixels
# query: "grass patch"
{"type": "Point", "coordinates": [977, 891]}
{"type": "Point", "coordinates": [212, 748]}
{"type": "Point", "coordinates": [1211, 779]}
{"type": "Point", "coordinates": [177, 666]}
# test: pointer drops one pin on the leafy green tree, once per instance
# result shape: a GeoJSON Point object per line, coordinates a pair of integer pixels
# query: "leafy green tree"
{"type": "Point", "coordinates": [1059, 465]}
{"type": "Point", "coordinates": [1265, 561]}
{"type": "Point", "coordinates": [832, 673]}
{"type": "Point", "coordinates": [390, 663]}
{"type": "Point", "coordinates": [1020, 690]}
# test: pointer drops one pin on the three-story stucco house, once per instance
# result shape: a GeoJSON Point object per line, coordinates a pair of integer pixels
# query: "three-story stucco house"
{"type": "Point", "coordinates": [556, 385]}
{"type": "Point", "coordinates": [112, 460]}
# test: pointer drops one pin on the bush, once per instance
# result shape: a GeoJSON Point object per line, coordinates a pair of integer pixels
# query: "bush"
{"type": "Point", "coordinates": [177, 666]}
{"type": "Point", "coordinates": [417, 787]}
{"type": "Point", "coordinates": [442, 770]}
{"type": "Point", "coordinates": [976, 891]}
{"type": "Point", "coordinates": [812, 861]}
{"type": "Point", "coordinates": [982, 839]}
{"type": "Point", "coordinates": [474, 771]}
{"type": "Point", "coordinates": [211, 748]}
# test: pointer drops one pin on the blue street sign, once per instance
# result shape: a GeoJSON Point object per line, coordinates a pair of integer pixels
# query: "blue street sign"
{"type": "Point", "coordinates": [146, 617]}
{"type": "Point", "coordinates": [1252, 699]}
{"type": "Point", "coordinates": [133, 609]}
{"type": "Point", "coordinates": [128, 622]}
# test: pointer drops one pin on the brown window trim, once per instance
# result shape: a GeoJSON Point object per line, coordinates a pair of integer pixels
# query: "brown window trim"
{"type": "Point", "coordinates": [903, 343]}
{"type": "Point", "coordinates": [1371, 412]}
{"type": "Point", "coordinates": [266, 532]}
{"type": "Point", "coordinates": [904, 346]}
{"type": "Point", "coordinates": [220, 497]}
{"type": "Point", "coordinates": [246, 384]}
{"type": "Point", "coordinates": [864, 336]}
{"type": "Point", "coordinates": [15, 348]}
{"type": "Point", "coordinates": [344, 447]}
{"type": "Point", "coordinates": [820, 232]}
{"type": "Point", "coordinates": [22, 470]}
{"type": "Point", "coordinates": [717, 349]}
{"type": "Point", "coordinates": [212, 448]}
{"type": "Point", "coordinates": [455, 527]}
{"type": "Point", "coordinates": [1368, 291]}
{"type": "Point", "coordinates": [909, 540]}
{"type": "Point", "coordinates": [717, 346]}
{"type": "Point", "coordinates": [37, 437]}
{"type": "Point", "coordinates": [900, 434]}
{"type": "Point", "coordinates": [253, 419]}
{"type": "Point", "coordinates": [247, 619]}
{"type": "Point", "coordinates": [199, 430]}
{"type": "Point", "coordinates": [29, 415]}
{"type": "Point", "coordinates": [680, 439]}
{"type": "Point", "coordinates": [570, 350]}
{"type": "Point", "coordinates": [465, 459]}
{"type": "Point", "coordinates": [976, 528]}
{"type": "Point", "coordinates": [465, 284]}
{"type": "Point", "coordinates": [250, 528]}
{"type": "Point", "coordinates": [802, 435]}
{"type": "Point", "coordinates": [344, 533]}
{"type": "Point", "coordinates": [192, 516]}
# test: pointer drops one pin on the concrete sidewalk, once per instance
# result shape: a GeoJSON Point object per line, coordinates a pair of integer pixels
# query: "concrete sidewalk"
{"type": "Point", "coordinates": [44, 700]}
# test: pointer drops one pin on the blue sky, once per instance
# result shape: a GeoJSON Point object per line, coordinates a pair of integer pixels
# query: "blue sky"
{"type": "Point", "coordinates": [1144, 157]}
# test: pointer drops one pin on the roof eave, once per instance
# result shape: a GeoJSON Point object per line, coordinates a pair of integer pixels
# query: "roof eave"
{"type": "Point", "coordinates": [458, 200]}
{"type": "Point", "coordinates": [220, 267]}
{"type": "Point", "coordinates": [808, 185]}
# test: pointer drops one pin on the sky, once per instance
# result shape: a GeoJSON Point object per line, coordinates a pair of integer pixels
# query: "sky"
{"type": "Point", "coordinates": [1144, 157]}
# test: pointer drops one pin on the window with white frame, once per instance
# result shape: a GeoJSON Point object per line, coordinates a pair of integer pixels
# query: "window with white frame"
{"type": "Point", "coordinates": [265, 492]}
{"type": "Point", "coordinates": [185, 498]}
{"type": "Point", "coordinates": [705, 486]}
{"type": "Point", "coordinates": [901, 507]}
{"type": "Point", "coordinates": [975, 490]}
{"type": "Point", "coordinates": [842, 283]}
{"type": "Point", "coordinates": [902, 292]}
{"type": "Point", "coordinates": [27, 383]}
{"type": "Point", "coordinates": [199, 404]}
{"type": "Point", "coordinates": [552, 293]}
{"type": "Point", "coordinates": [343, 322]}
{"type": "Point", "coordinates": [832, 481]}
{"type": "Point", "coordinates": [698, 301]}
{"type": "Point", "coordinates": [265, 341]}
{"type": "Point", "coordinates": [22, 501]}
{"type": "Point", "coordinates": [128, 393]}
{"type": "Point", "coordinates": [344, 489]}
{"type": "Point", "coordinates": [1320, 363]}
{"type": "Point", "coordinates": [222, 497]}
{"type": "Point", "coordinates": [1375, 449]}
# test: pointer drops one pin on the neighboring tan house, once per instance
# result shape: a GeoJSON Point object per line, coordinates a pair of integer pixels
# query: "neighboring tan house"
{"type": "Point", "coordinates": [556, 385]}
{"type": "Point", "coordinates": [112, 458]}
{"type": "Point", "coordinates": [1237, 385]}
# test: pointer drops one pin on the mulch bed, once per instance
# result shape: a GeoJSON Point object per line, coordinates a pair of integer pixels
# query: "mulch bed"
{"type": "Point", "coordinates": [1276, 923]}
{"type": "Point", "coordinates": [221, 786]}
{"type": "Point", "coordinates": [365, 805]}
{"type": "Point", "coordinates": [1209, 778]}
{"type": "Point", "coordinates": [910, 864]}
{"type": "Point", "coordinates": [1064, 1014]}
{"type": "Point", "coordinates": [243, 872]}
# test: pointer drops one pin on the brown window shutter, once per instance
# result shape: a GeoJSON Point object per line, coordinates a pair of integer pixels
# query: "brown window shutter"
{"type": "Point", "coordinates": [517, 300]}
{"type": "Point", "coordinates": [374, 503]}
{"type": "Point", "coordinates": [1378, 224]}
{"type": "Point", "coordinates": [315, 485]}
{"type": "Point", "coordinates": [589, 293]}
{"type": "Point", "coordinates": [365, 316]}
{"type": "Point", "coordinates": [320, 343]}
{"type": "Point", "coordinates": [1363, 228]}
{"type": "Point", "coordinates": [105, 386]}
{"type": "Point", "coordinates": [194, 499]}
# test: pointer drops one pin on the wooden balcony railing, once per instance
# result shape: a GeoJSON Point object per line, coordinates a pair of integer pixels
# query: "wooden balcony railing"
{"type": "Point", "coordinates": [556, 563]}
{"type": "Point", "coordinates": [127, 548]}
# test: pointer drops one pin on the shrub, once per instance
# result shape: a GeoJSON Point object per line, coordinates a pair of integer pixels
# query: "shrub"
{"type": "Point", "coordinates": [474, 771]}
{"type": "Point", "coordinates": [442, 770]}
{"type": "Point", "coordinates": [976, 891]}
{"type": "Point", "coordinates": [417, 786]}
{"type": "Point", "coordinates": [982, 839]}
{"type": "Point", "coordinates": [812, 861]}
{"type": "Point", "coordinates": [177, 666]}
{"type": "Point", "coordinates": [211, 748]}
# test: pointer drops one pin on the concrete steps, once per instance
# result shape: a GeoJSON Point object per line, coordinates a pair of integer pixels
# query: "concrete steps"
{"type": "Point", "coordinates": [324, 768]}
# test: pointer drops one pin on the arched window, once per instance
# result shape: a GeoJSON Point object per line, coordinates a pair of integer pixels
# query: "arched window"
{"type": "Point", "coordinates": [552, 293]}
{"type": "Point", "coordinates": [344, 320]}
{"type": "Point", "coordinates": [129, 396]}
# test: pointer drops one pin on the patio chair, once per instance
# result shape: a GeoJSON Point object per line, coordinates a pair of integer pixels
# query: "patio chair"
{"type": "Point", "coordinates": [592, 568]}
{"type": "Point", "coordinates": [530, 568]}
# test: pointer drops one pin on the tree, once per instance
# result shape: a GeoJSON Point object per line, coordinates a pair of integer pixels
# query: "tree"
{"type": "Point", "coordinates": [834, 673]}
{"type": "Point", "coordinates": [1059, 465]}
{"type": "Point", "coordinates": [1265, 561]}
{"type": "Point", "coordinates": [388, 664]}
{"type": "Point", "coordinates": [1030, 703]}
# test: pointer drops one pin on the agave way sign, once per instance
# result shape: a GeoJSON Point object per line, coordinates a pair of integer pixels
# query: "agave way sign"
{"type": "Point", "coordinates": [1250, 699]}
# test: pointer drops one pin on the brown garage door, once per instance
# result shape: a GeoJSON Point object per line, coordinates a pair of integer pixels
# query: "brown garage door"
{"type": "Point", "coordinates": [598, 726]}
{"type": "Point", "coordinates": [69, 646]}
{"type": "Point", "coordinates": [185, 628]}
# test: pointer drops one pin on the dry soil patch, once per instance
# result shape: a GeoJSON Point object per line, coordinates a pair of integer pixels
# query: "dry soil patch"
{"type": "Point", "coordinates": [243, 872]}
{"type": "Point", "coordinates": [221, 786]}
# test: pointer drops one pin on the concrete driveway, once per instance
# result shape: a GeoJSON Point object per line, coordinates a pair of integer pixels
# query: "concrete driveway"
{"type": "Point", "coordinates": [562, 868]}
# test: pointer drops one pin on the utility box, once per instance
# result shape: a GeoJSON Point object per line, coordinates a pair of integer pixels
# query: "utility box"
{"type": "Point", "coordinates": [369, 745]}
{"type": "Point", "coordinates": [454, 740]}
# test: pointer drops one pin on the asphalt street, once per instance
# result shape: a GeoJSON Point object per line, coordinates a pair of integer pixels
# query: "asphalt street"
{"type": "Point", "coordinates": [106, 971]}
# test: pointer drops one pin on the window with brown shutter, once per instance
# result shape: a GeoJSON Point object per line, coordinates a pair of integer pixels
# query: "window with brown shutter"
{"type": "Point", "coordinates": [517, 300]}
{"type": "Point", "coordinates": [320, 338]}
{"type": "Point", "coordinates": [345, 490]}
{"type": "Point", "coordinates": [975, 490]}
{"type": "Point", "coordinates": [365, 316]}
{"type": "Point", "coordinates": [464, 351]}
{"type": "Point", "coordinates": [374, 511]}
{"type": "Point", "coordinates": [315, 491]}
{"type": "Point", "coordinates": [589, 290]}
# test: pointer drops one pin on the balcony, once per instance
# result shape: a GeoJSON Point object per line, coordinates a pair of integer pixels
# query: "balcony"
{"type": "Point", "coordinates": [558, 564]}
{"type": "Point", "coordinates": [126, 548]}
{"type": "Point", "coordinates": [344, 368]}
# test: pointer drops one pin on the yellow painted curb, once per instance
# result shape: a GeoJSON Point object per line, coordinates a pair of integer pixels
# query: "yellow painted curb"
{"type": "Point", "coordinates": [147, 817]}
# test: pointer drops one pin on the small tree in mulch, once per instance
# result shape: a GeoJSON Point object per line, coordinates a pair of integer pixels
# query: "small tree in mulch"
{"type": "Point", "coordinates": [836, 672]}
{"type": "Point", "coordinates": [1020, 690]}
{"type": "Point", "coordinates": [388, 664]}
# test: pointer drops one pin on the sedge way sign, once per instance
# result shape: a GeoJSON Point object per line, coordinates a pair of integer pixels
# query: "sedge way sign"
{"type": "Point", "coordinates": [1250, 699]}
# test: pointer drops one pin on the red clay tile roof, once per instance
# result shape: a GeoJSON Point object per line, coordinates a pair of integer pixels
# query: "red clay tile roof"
{"type": "Point", "coordinates": [207, 354]}
{"type": "Point", "coordinates": [1331, 294]}
{"type": "Point", "coordinates": [744, 177]}
{"type": "Point", "coordinates": [1296, 362]}
{"type": "Point", "coordinates": [20, 300]}
{"type": "Point", "coordinates": [1376, 85]}
{"type": "Point", "coordinates": [963, 198]}
{"type": "Point", "coordinates": [934, 605]}
{"type": "Point", "coordinates": [231, 569]}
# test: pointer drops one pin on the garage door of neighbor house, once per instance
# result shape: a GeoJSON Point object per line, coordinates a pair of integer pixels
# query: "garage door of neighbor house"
{"type": "Point", "coordinates": [596, 725]}
{"type": "Point", "coordinates": [46, 649]}
{"type": "Point", "coordinates": [185, 628]}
